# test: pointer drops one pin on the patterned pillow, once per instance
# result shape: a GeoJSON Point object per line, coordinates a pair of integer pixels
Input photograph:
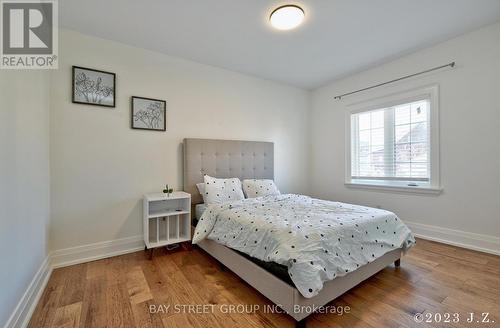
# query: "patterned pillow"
{"type": "Point", "coordinates": [218, 191]}
{"type": "Point", "coordinates": [256, 188]}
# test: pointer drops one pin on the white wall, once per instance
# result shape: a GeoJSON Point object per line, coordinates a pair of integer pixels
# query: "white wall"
{"type": "Point", "coordinates": [24, 182]}
{"type": "Point", "coordinates": [469, 134]}
{"type": "Point", "coordinates": [100, 167]}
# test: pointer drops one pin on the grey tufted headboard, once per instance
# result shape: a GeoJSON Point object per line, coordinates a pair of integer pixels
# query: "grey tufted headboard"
{"type": "Point", "coordinates": [225, 159]}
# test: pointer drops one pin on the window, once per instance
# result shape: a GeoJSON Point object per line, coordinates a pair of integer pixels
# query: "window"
{"type": "Point", "coordinates": [393, 142]}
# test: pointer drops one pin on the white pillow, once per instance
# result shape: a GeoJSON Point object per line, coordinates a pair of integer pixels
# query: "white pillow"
{"type": "Point", "coordinates": [256, 188]}
{"type": "Point", "coordinates": [201, 190]}
{"type": "Point", "coordinates": [219, 191]}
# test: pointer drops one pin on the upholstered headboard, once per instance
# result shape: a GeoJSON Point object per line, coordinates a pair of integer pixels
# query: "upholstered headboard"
{"type": "Point", "coordinates": [225, 159]}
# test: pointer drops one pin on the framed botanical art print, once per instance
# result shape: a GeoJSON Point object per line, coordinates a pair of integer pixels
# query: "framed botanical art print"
{"type": "Point", "coordinates": [149, 114]}
{"type": "Point", "coordinates": [93, 87]}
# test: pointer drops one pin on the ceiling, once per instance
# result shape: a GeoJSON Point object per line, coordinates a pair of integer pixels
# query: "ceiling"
{"type": "Point", "coordinates": [337, 38]}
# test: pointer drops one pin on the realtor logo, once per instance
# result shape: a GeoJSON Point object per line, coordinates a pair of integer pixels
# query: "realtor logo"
{"type": "Point", "coordinates": [29, 34]}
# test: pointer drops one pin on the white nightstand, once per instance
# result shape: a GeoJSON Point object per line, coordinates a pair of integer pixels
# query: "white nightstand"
{"type": "Point", "coordinates": [167, 219]}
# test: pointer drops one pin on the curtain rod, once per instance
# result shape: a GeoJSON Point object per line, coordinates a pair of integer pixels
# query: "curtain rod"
{"type": "Point", "coordinates": [452, 64]}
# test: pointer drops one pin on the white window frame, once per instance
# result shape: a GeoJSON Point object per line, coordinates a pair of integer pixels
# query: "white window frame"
{"type": "Point", "coordinates": [428, 92]}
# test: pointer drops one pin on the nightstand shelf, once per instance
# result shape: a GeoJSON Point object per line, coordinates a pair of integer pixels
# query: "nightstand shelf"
{"type": "Point", "coordinates": [166, 219]}
{"type": "Point", "coordinates": [167, 213]}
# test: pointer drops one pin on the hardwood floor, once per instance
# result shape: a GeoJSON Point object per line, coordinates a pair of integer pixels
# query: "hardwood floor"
{"type": "Point", "coordinates": [119, 291]}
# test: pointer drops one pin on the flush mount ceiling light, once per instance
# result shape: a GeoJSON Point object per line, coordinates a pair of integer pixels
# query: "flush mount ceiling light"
{"type": "Point", "coordinates": [286, 17]}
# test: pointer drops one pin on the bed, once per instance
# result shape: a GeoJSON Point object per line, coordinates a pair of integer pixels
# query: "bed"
{"type": "Point", "coordinates": [255, 160]}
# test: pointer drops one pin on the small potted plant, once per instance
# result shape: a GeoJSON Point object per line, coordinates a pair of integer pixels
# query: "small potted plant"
{"type": "Point", "coordinates": [168, 190]}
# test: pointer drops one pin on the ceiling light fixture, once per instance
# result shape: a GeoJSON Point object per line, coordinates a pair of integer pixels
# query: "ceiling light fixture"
{"type": "Point", "coordinates": [287, 17]}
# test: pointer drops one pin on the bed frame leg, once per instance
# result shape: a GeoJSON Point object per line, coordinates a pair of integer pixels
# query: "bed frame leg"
{"type": "Point", "coordinates": [301, 323]}
{"type": "Point", "coordinates": [397, 263]}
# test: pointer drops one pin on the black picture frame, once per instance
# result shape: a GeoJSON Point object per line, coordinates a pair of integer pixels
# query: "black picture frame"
{"type": "Point", "coordinates": [133, 112]}
{"type": "Point", "coordinates": [77, 98]}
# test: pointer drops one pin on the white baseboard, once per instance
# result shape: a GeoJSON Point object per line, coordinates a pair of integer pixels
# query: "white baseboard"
{"type": "Point", "coordinates": [24, 309]}
{"type": "Point", "coordinates": [474, 241]}
{"type": "Point", "coordinates": [96, 251]}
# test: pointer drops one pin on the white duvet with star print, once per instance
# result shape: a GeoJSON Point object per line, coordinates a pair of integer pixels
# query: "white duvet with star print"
{"type": "Point", "coordinates": [317, 240]}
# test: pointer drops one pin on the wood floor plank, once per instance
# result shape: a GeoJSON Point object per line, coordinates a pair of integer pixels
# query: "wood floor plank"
{"type": "Point", "coordinates": [44, 313]}
{"type": "Point", "coordinates": [94, 307]}
{"type": "Point", "coordinates": [207, 290]}
{"type": "Point", "coordinates": [347, 321]}
{"type": "Point", "coordinates": [408, 302]}
{"type": "Point", "coordinates": [456, 252]}
{"type": "Point", "coordinates": [180, 321]}
{"type": "Point", "coordinates": [96, 268]}
{"type": "Point", "coordinates": [138, 288]}
{"type": "Point", "coordinates": [116, 270]}
{"type": "Point", "coordinates": [74, 284]}
{"type": "Point", "coordinates": [68, 316]}
{"type": "Point", "coordinates": [370, 312]}
{"type": "Point", "coordinates": [154, 276]}
{"type": "Point", "coordinates": [472, 287]}
{"type": "Point", "coordinates": [187, 296]}
{"type": "Point", "coordinates": [122, 291]}
{"type": "Point", "coordinates": [144, 318]}
{"type": "Point", "coordinates": [419, 288]}
{"type": "Point", "coordinates": [118, 305]}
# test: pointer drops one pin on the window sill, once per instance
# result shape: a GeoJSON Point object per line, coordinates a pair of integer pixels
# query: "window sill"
{"type": "Point", "coordinates": [393, 188]}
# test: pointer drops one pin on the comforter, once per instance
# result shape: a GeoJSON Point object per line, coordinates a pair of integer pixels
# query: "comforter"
{"type": "Point", "coordinates": [317, 240]}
